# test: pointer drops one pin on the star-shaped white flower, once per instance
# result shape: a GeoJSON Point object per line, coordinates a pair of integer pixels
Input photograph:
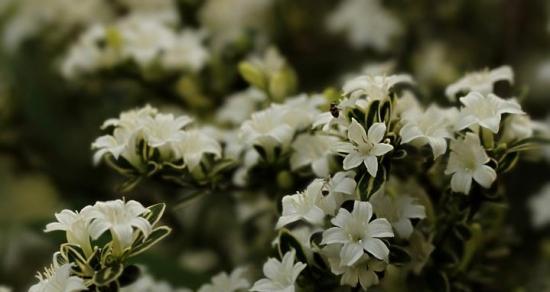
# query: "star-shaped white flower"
{"type": "Point", "coordinates": [314, 150]}
{"type": "Point", "coordinates": [223, 282]}
{"type": "Point", "coordinates": [164, 129]}
{"type": "Point", "coordinates": [193, 145]}
{"type": "Point", "coordinates": [468, 161]}
{"type": "Point", "coordinates": [267, 129]}
{"type": "Point", "coordinates": [119, 217]}
{"type": "Point", "coordinates": [398, 209]}
{"type": "Point", "coordinates": [75, 225]}
{"type": "Point", "coordinates": [303, 205]}
{"type": "Point", "coordinates": [430, 127]}
{"type": "Point", "coordinates": [481, 81]}
{"type": "Point", "coordinates": [280, 275]}
{"type": "Point", "coordinates": [358, 234]}
{"type": "Point", "coordinates": [374, 87]}
{"type": "Point", "coordinates": [58, 279]}
{"type": "Point", "coordinates": [336, 190]}
{"type": "Point", "coordinates": [365, 148]}
{"type": "Point", "coordinates": [362, 272]}
{"type": "Point", "coordinates": [485, 111]}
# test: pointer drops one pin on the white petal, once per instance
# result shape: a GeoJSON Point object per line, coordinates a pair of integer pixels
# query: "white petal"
{"type": "Point", "coordinates": [350, 253]}
{"type": "Point", "coordinates": [377, 248]}
{"type": "Point", "coordinates": [461, 182]}
{"type": "Point", "coordinates": [485, 176]}
{"type": "Point", "coordinates": [321, 167]}
{"type": "Point", "coordinates": [381, 149]}
{"type": "Point", "coordinates": [356, 133]}
{"type": "Point", "coordinates": [353, 160]}
{"type": "Point", "coordinates": [376, 132]}
{"type": "Point", "coordinates": [341, 218]}
{"type": "Point", "coordinates": [403, 228]}
{"type": "Point", "coordinates": [438, 145]}
{"type": "Point", "coordinates": [379, 228]}
{"type": "Point", "coordinates": [372, 165]}
{"type": "Point", "coordinates": [492, 123]}
{"type": "Point", "coordinates": [335, 235]}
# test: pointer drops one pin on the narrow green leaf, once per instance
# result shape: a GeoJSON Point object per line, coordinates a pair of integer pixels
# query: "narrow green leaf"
{"type": "Point", "coordinates": [157, 235]}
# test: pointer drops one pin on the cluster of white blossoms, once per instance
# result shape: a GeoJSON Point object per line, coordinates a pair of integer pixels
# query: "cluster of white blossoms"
{"type": "Point", "coordinates": [82, 262]}
{"type": "Point", "coordinates": [366, 23]}
{"type": "Point", "coordinates": [140, 135]}
{"type": "Point", "coordinates": [137, 39]}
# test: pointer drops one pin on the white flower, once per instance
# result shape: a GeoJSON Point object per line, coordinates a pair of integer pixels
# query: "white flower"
{"type": "Point", "coordinates": [193, 145]}
{"type": "Point", "coordinates": [163, 129]}
{"type": "Point", "coordinates": [366, 23]}
{"type": "Point", "coordinates": [268, 129]}
{"type": "Point", "coordinates": [143, 39]}
{"type": "Point", "coordinates": [467, 161]}
{"type": "Point", "coordinates": [187, 52]}
{"type": "Point", "coordinates": [365, 147]}
{"type": "Point", "coordinates": [485, 111]}
{"type": "Point", "coordinates": [5, 288]}
{"type": "Point", "coordinates": [146, 283]}
{"type": "Point", "coordinates": [75, 225]}
{"type": "Point", "coordinates": [362, 272]}
{"type": "Point", "coordinates": [280, 275]}
{"type": "Point", "coordinates": [226, 283]}
{"type": "Point", "coordinates": [481, 81]}
{"type": "Point", "coordinates": [430, 127]}
{"type": "Point", "coordinates": [303, 205]}
{"type": "Point", "coordinates": [336, 190]}
{"type": "Point", "coordinates": [122, 143]}
{"type": "Point", "coordinates": [119, 217]}
{"type": "Point", "coordinates": [358, 234]}
{"type": "Point", "coordinates": [228, 24]}
{"type": "Point", "coordinates": [374, 87]}
{"type": "Point", "coordinates": [539, 205]}
{"type": "Point", "coordinates": [398, 209]}
{"type": "Point", "coordinates": [517, 127]}
{"type": "Point", "coordinates": [300, 111]}
{"type": "Point", "coordinates": [239, 106]}
{"type": "Point", "coordinates": [314, 150]}
{"type": "Point", "coordinates": [58, 279]}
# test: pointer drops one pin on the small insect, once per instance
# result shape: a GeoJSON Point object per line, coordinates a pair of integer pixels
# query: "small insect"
{"type": "Point", "coordinates": [334, 110]}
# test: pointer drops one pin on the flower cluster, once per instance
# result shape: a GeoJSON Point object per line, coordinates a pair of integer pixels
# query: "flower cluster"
{"type": "Point", "coordinates": [83, 263]}
{"type": "Point", "coordinates": [144, 138]}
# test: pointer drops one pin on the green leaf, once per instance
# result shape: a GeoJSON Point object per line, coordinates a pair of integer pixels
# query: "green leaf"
{"type": "Point", "coordinates": [369, 185]}
{"type": "Point", "coordinates": [157, 235]}
{"type": "Point", "coordinates": [287, 242]}
{"type": "Point", "coordinates": [384, 113]}
{"type": "Point", "coordinates": [155, 212]}
{"type": "Point", "coordinates": [74, 254]}
{"type": "Point", "coordinates": [108, 274]}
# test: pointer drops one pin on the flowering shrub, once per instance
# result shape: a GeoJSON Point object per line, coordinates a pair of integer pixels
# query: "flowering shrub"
{"type": "Point", "coordinates": [278, 146]}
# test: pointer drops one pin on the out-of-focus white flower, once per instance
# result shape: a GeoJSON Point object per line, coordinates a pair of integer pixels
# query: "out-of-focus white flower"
{"type": "Point", "coordinates": [358, 234]}
{"type": "Point", "coordinates": [75, 225]}
{"type": "Point", "coordinates": [193, 145]}
{"type": "Point", "coordinates": [430, 127]}
{"type": "Point", "coordinates": [122, 143]}
{"type": "Point", "coordinates": [539, 205]}
{"type": "Point", "coordinates": [226, 283]}
{"type": "Point", "coordinates": [517, 127]}
{"type": "Point", "coordinates": [120, 218]}
{"type": "Point", "coordinates": [239, 106]}
{"type": "Point", "coordinates": [5, 288]}
{"type": "Point", "coordinates": [303, 205]}
{"type": "Point", "coordinates": [314, 150]}
{"type": "Point", "coordinates": [481, 81]}
{"type": "Point", "coordinates": [268, 129]}
{"type": "Point", "coordinates": [485, 111]}
{"type": "Point", "coordinates": [374, 87]}
{"type": "Point", "coordinates": [398, 209]}
{"type": "Point", "coordinates": [227, 24]}
{"type": "Point", "coordinates": [143, 40]}
{"type": "Point", "coordinates": [164, 11]}
{"type": "Point", "coordinates": [362, 272]}
{"type": "Point", "coordinates": [280, 275]}
{"type": "Point", "coordinates": [365, 23]}
{"type": "Point", "coordinates": [301, 110]}
{"type": "Point", "coordinates": [30, 18]}
{"type": "Point", "coordinates": [58, 279]}
{"type": "Point", "coordinates": [468, 161]}
{"type": "Point", "coordinates": [146, 283]}
{"type": "Point", "coordinates": [365, 148]}
{"type": "Point", "coordinates": [187, 52]}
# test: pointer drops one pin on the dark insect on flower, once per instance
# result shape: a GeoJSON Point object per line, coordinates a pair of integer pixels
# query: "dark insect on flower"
{"type": "Point", "coordinates": [334, 110]}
